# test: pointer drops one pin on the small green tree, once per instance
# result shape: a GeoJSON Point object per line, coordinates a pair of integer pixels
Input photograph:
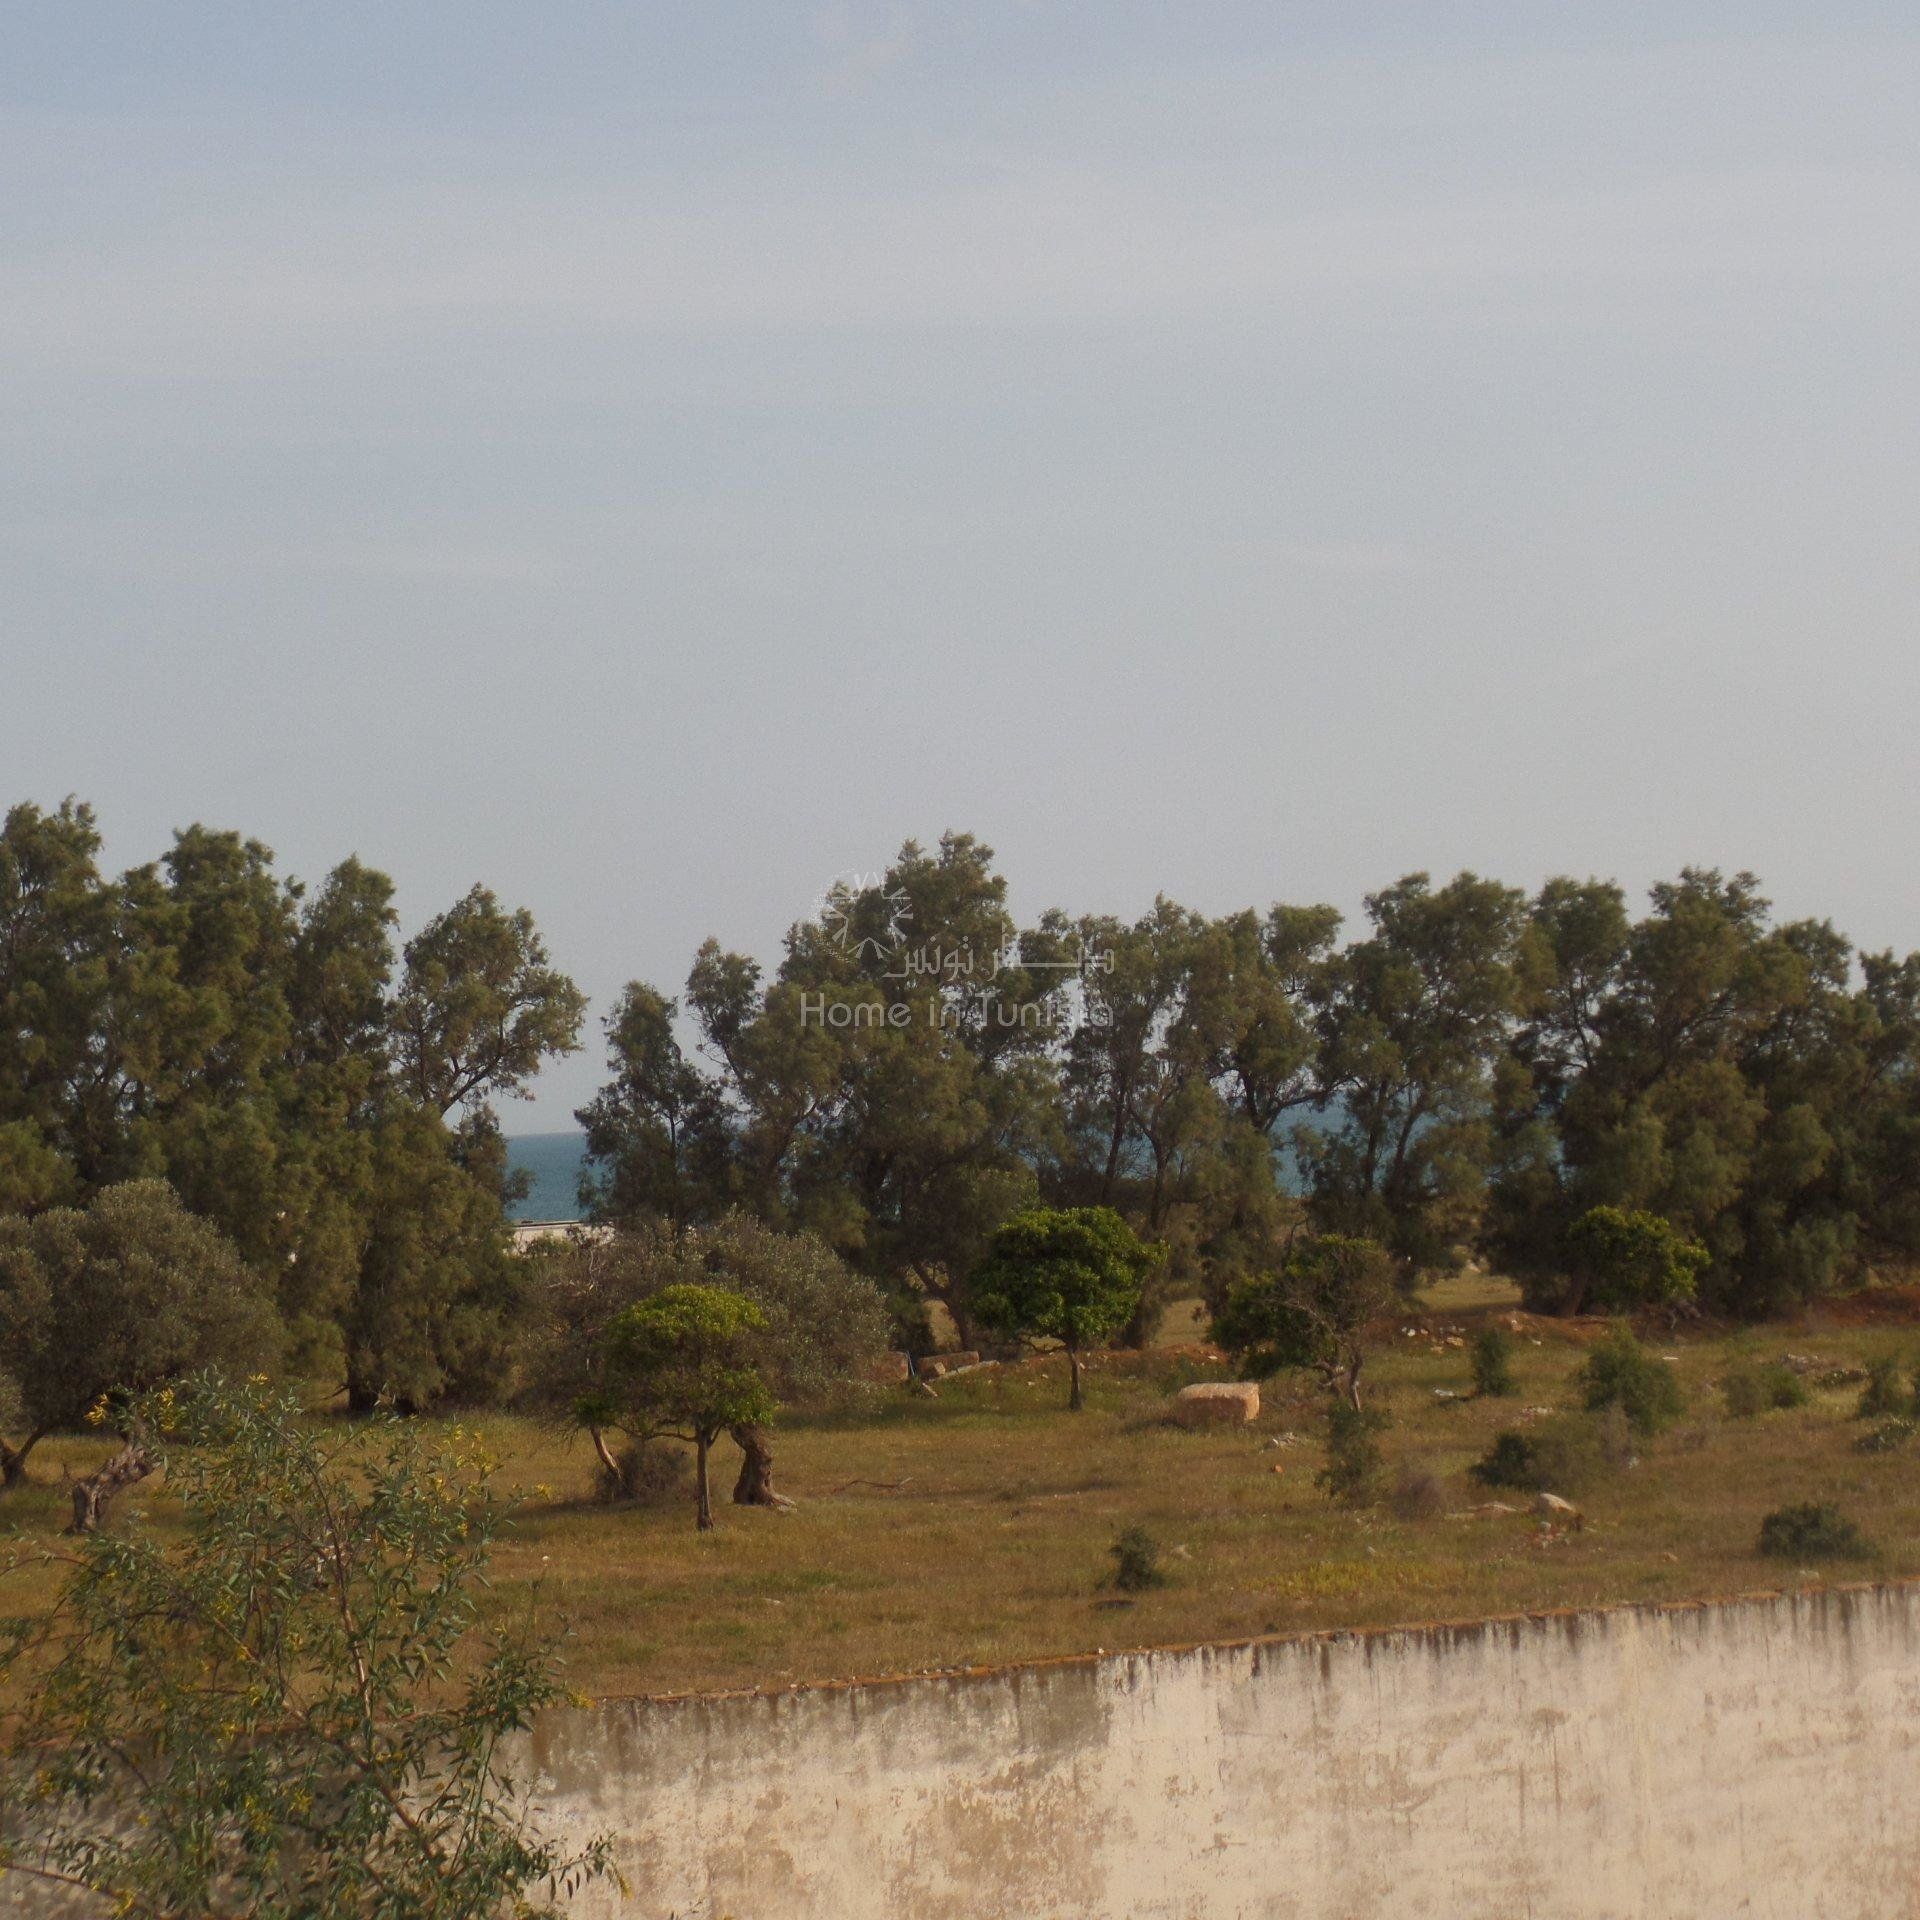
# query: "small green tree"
{"type": "Point", "coordinates": [825, 1324]}
{"type": "Point", "coordinates": [288, 1706]}
{"type": "Point", "coordinates": [1314, 1312]}
{"type": "Point", "coordinates": [682, 1364]}
{"type": "Point", "coordinates": [1354, 1459]}
{"type": "Point", "coordinates": [98, 1306]}
{"type": "Point", "coordinates": [1493, 1364]}
{"type": "Point", "coordinates": [1621, 1371]}
{"type": "Point", "coordinates": [1624, 1259]}
{"type": "Point", "coordinates": [1068, 1274]}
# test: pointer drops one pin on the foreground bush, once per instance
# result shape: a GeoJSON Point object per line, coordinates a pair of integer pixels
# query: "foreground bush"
{"type": "Point", "coordinates": [1352, 1473]}
{"type": "Point", "coordinates": [1564, 1455]}
{"type": "Point", "coordinates": [1755, 1390]}
{"type": "Point", "coordinates": [1136, 1561]}
{"type": "Point", "coordinates": [1621, 1372]}
{"type": "Point", "coordinates": [1493, 1364]}
{"type": "Point", "coordinates": [1812, 1531]}
{"type": "Point", "coordinates": [292, 1710]}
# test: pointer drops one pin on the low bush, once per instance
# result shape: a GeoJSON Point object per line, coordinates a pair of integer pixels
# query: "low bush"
{"type": "Point", "coordinates": [655, 1473]}
{"type": "Point", "coordinates": [1136, 1561]}
{"type": "Point", "coordinates": [1885, 1392]}
{"type": "Point", "coordinates": [1417, 1493]}
{"type": "Point", "coordinates": [1888, 1437]}
{"type": "Point", "coordinates": [1622, 1372]}
{"type": "Point", "coordinates": [1813, 1530]}
{"type": "Point", "coordinates": [1563, 1455]}
{"type": "Point", "coordinates": [1754, 1390]}
{"type": "Point", "coordinates": [1352, 1473]}
{"type": "Point", "coordinates": [1493, 1364]}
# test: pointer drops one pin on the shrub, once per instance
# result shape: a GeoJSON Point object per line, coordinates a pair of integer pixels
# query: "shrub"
{"type": "Point", "coordinates": [652, 1474]}
{"type": "Point", "coordinates": [1754, 1390]}
{"type": "Point", "coordinates": [1884, 1392]}
{"type": "Point", "coordinates": [301, 1689]}
{"type": "Point", "coordinates": [1493, 1364]}
{"type": "Point", "coordinates": [1624, 1258]}
{"type": "Point", "coordinates": [1888, 1437]}
{"type": "Point", "coordinates": [1136, 1561]}
{"type": "Point", "coordinates": [1813, 1530]}
{"type": "Point", "coordinates": [1417, 1493]}
{"type": "Point", "coordinates": [1352, 1473]}
{"type": "Point", "coordinates": [1621, 1371]}
{"type": "Point", "coordinates": [1563, 1455]}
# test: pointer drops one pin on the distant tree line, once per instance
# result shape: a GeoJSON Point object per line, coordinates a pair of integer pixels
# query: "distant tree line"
{"type": "Point", "coordinates": [316, 1090]}
{"type": "Point", "coordinates": [1474, 1074]}
{"type": "Point", "coordinates": [1698, 1104]}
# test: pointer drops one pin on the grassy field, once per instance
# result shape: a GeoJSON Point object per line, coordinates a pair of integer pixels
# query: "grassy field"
{"type": "Point", "coordinates": [973, 1529]}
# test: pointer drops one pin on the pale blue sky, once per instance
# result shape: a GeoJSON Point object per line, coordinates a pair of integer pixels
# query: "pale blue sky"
{"type": "Point", "coordinates": [654, 459]}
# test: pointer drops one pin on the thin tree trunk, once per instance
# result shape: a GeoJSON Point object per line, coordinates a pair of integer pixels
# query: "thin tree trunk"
{"type": "Point", "coordinates": [13, 1460]}
{"type": "Point", "coordinates": [754, 1488]}
{"type": "Point", "coordinates": [606, 1459]}
{"type": "Point", "coordinates": [705, 1511]}
{"type": "Point", "coordinates": [93, 1495]}
{"type": "Point", "coordinates": [1073, 1396]}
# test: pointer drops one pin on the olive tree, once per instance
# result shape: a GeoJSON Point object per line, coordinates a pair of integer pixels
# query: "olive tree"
{"type": "Point", "coordinates": [824, 1324]}
{"type": "Point", "coordinates": [288, 1704]}
{"type": "Point", "coordinates": [1624, 1258]}
{"type": "Point", "coordinates": [101, 1305]}
{"type": "Point", "coordinates": [1071, 1275]}
{"type": "Point", "coordinates": [682, 1364]}
{"type": "Point", "coordinates": [1313, 1312]}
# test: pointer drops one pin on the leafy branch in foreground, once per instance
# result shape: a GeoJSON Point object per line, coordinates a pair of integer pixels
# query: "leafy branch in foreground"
{"type": "Point", "coordinates": [293, 1709]}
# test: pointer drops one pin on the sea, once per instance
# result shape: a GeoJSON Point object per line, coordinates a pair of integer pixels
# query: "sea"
{"type": "Point", "coordinates": [554, 1160]}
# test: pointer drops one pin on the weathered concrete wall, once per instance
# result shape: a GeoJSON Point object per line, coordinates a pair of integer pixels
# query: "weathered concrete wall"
{"type": "Point", "coordinates": [1755, 1758]}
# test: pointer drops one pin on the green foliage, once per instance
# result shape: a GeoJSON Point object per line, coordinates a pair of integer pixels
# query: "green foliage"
{"type": "Point", "coordinates": [1753, 1390]}
{"type": "Point", "coordinates": [1411, 1020]}
{"type": "Point", "coordinates": [258, 1044]}
{"type": "Point", "coordinates": [113, 1300]}
{"type": "Point", "coordinates": [295, 1695]}
{"type": "Point", "coordinates": [1812, 1530]}
{"type": "Point", "coordinates": [1620, 1372]}
{"type": "Point", "coordinates": [1070, 1274]}
{"type": "Point", "coordinates": [687, 1362]}
{"type": "Point", "coordinates": [1136, 1561]}
{"type": "Point", "coordinates": [1625, 1259]}
{"type": "Point", "coordinates": [1354, 1458]}
{"type": "Point", "coordinates": [1564, 1455]}
{"type": "Point", "coordinates": [1493, 1364]}
{"type": "Point", "coordinates": [1314, 1311]}
{"type": "Point", "coordinates": [1886, 1389]}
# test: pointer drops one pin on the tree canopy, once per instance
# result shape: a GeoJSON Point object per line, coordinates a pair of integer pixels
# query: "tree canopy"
{"type": "Point", "coordinates": [1066, 1274]}
{"type": "Point", "coordinates": [327, 1103]}
{"type": "Point", "coordinates": [1469, 1076]}
{"type": "Point", "coordinates": [102, 1304]}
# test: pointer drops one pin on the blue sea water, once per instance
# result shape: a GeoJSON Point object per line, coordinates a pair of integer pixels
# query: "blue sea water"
{"type": "Point", "coordinates": [554, 1160]}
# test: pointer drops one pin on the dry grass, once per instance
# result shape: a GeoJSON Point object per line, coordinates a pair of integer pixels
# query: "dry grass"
{"type": "Point", "coordinates": [973, 1529]}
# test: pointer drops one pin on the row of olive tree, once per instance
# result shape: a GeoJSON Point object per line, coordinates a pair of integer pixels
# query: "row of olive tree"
{"type": "Point", "coordinates": [1478, 1071]}
{"type": "Point", "coordinates": [320, 1093]}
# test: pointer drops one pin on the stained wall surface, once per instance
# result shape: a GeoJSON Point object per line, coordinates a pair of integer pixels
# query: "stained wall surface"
{"type": "Point", "coordinates": [1754, 1757]}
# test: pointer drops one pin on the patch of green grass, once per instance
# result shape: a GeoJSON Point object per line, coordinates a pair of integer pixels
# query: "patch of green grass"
{"type": "Point", "coordinates": [975, 1528]}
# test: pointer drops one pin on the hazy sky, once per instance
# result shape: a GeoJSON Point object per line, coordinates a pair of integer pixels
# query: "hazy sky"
{"type": "Point", "coordinates": [654, 458]}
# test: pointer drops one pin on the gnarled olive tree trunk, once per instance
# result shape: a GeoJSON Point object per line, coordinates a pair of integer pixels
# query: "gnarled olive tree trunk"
{"type": "Point", "coordinates": [754, 1488]}
{"type": "Point", "coordinates": [93, 1495]}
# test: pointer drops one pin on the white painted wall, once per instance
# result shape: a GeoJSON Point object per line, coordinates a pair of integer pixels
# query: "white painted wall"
{"type": "Point", "coordinates": [1754, 1758]}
